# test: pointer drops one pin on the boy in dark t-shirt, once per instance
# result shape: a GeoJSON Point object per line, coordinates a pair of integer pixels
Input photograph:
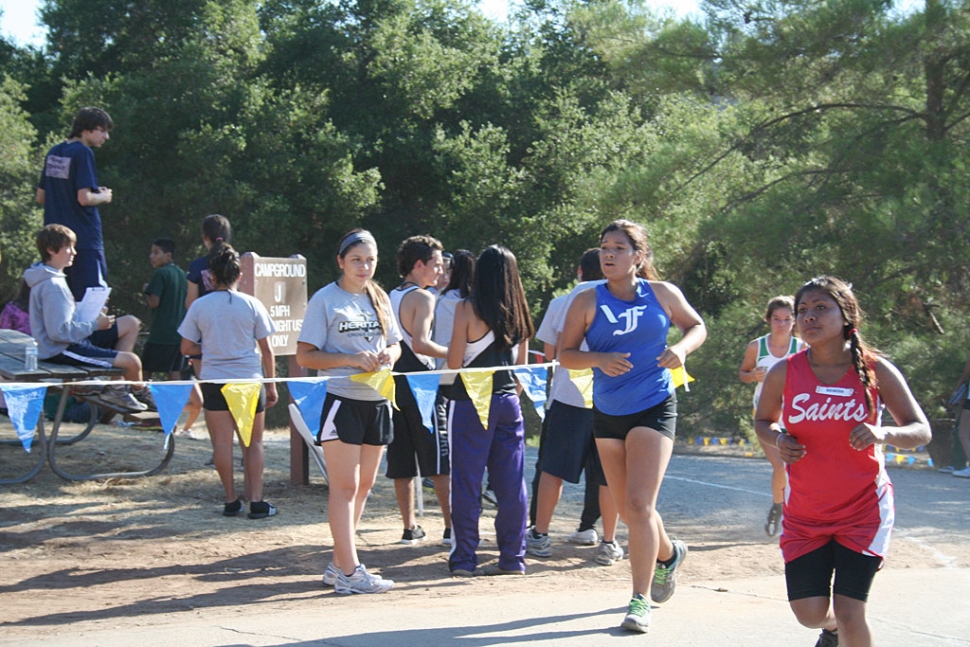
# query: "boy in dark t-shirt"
{"type": "Point", "coordinates": [69, 190]}
{"type": "Point", "coordinates": [166, 297]}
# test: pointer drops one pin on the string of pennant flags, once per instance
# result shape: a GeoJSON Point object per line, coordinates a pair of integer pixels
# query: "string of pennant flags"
{"type": "Point", "coordinates": [25, 401]}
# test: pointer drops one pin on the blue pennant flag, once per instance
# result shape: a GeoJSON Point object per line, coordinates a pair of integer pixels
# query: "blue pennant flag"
{"type": "Point", "coordinates": [425, 389]}
{"type": "Point", "coordinates": [534, 381]}
{"type": "Point", "coordinates": [170, 399]}
{"type": "Point", "coordinates": [308, 396]}
{"type": "Point", "coordinates": [24, 405]}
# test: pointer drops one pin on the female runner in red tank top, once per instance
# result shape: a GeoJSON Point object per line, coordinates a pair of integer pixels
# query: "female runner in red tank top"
{"type": "Point", "coordinates": [838, 511]}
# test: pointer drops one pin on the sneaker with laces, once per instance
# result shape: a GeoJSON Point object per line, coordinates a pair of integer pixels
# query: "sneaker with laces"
{"type": "Point", "coordinates": [330, 575]}
{"type": "Point", "coordinates": [360, 581]}
{"type": "Point", "coordinates": [665, 577]}
{"type": "Point", "coordinates": [118, 397]}
{"type": "Point", "coordinates": [446, 537]}
{"type": "Point", "coordinates": [413, 535]}
{"type": "Point", "coordinates": [963, 474]}
{"type": "Point", "coordinates": [638, 617]}
{"type": "Point", "coordinates": [828, 639]}
{"type": "Point", "coordinates": [536, 544]}
{"type": "Point", "coordinates": [609, 553]}
{"type": "Point", "coordinates": [144, 395]}
{"type": "Point", "coordinates": [774, 519]}
{"type": "Point", "coordinates": [587, 537]}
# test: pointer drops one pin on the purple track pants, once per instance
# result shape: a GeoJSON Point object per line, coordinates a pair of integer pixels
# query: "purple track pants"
{"type": "Point", "coordinates": [501, 448]}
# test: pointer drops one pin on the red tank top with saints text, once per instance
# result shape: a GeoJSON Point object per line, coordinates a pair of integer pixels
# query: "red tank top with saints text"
{"type": "Point", "coordinates": [834, 491]}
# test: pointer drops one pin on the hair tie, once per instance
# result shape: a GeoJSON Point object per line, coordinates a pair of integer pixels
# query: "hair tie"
{"type": "Point", "coordinates": [219, 239]}
{"type": "Point", "coordinates": [854, 331]}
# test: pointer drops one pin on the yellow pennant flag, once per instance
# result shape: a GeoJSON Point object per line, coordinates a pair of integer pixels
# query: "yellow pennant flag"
{"type": "Point", "coordinates": [242, 400]}
{"type": "Point", "coordinates": [479, 387]}
{"type": "Point", "coordinates": [381, 381]}
{"type": "Point", "coordinates": [583, 379]}
{"type": "Point", "coordinates": [680, 377]}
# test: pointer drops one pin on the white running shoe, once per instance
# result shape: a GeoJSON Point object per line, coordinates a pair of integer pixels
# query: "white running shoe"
{"type": "Point", "coordinates": [330, 575]}
{"type": "Point", "coordinates": [609, 553]}
{"type": "Point", "coordinates": [587, 537]}
{"type": "Point", "coordinates": [536, 544]}
{"type": "Point", "coordinates": [361, 582]}
{"type": "Point", "coordinates": [638, 617]}
{"type": "Point", "coordinates": [963, 474]}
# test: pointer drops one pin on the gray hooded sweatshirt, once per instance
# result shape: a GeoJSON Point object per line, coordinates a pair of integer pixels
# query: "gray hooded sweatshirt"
{"type": "Point", "coordinates": [52, 311]}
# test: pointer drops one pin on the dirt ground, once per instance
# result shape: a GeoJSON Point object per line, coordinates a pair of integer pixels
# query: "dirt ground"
{"type": "Point", "coordinates": [110, 553]}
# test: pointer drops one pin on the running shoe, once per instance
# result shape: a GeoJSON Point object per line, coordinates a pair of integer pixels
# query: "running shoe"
{"type": "Point", "coordinates": [963, 474]}
{"type": "Point", "coordinates": [536, 544]}
{"type": "Point", "coordinates": [360, 581]}
{"type": "Point", "coordinates": [118, 397]}
{"type": "Point", "coordinates": [330, 575]}
{"type": "Point", "coordinates": [446, 537]}
{"type": "Point", "coordinates": [413, 535]}
{"type": "Point", "coordinates": [638, 617]}
{"type": "Point", "coordinates": [587, 537]}
{"type": "Point", "coordinates": [609, 553]}
{"type": "Point", "coordinates": [144, 395]}
{"type": "Point", "coordinates": [774, 519]}
{"type": "Point", "coordinates": [828, 639]}
{"type": "Point", "coordinates": [494, 570]}
{"type": "Point", "coordinates": [665, 577]}
{"type": "Point", "coordinates": [949, 469]}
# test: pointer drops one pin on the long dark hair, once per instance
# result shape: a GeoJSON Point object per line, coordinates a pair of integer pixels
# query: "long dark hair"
{"type": "Point", "coordinates": [462, 273]}
{"type": "Point", "coordinates": [497, 296]}
{"type": "Point", "coordinates": [638, 239]}
{"type": "Point", "coordinates": [863, 355]}
{"type": "Point", "coordinates": [378, 297]}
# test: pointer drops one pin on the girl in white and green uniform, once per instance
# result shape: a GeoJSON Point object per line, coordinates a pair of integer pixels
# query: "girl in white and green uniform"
{"type": "Point", "coordinates": [760, 355]}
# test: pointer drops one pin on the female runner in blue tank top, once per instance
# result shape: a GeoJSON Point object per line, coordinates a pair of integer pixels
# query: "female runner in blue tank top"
{"type": "Point", "coordinates": [625, 322]}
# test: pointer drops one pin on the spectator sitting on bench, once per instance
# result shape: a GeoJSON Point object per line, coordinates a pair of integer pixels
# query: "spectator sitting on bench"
{"type": "Point", "coordinates": [62, 339]}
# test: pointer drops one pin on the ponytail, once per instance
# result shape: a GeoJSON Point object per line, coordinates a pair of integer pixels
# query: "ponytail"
{"type": "Point", "coordinates": [381, 304]}
{"type": "Point", "coordinates": [863, 357]}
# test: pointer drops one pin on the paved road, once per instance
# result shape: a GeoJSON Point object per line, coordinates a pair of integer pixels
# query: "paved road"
{"type": "Point", "coordinates": [918, 607]}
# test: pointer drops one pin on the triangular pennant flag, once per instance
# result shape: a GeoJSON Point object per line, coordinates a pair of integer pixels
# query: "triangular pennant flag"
{"type": "Point", "coordinates": [533, 381]}
{"type": "Point", "coordinates": [479, 387]}
{"type": "Point", "coordinates": [170, 399]}
{"type": "Point", "coordinates": [681, 378]}
{"type": "Point", "coordinates": [381, 381]}
{"type": "Point", "coordinates": [309, 397]}
{"type": "Point", "coordinates": [583, 380]}
{"type": "Point", "coordinates": [24, 406]}
{"type": "Point", "coordinates": [243, 399]}
{"type": "Point", "coordinates": [425, 389]}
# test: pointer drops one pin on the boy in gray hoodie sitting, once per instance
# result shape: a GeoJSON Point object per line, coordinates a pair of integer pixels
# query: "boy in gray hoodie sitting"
{"type": "Point", "coordinates": [62, 339]}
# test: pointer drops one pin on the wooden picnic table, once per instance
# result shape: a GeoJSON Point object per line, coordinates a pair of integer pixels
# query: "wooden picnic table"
{"type": "Point", "coordinates": [12, 345]}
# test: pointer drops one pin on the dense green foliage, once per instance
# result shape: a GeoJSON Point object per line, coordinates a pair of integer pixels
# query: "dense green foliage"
{"type": "Point", "coordinates": [766, 143]}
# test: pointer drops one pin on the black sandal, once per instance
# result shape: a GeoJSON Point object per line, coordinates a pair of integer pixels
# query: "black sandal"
{"type": "Point", "coordinates": [232, 509]}
{"type": "Point", "coordinates": [261, 510]}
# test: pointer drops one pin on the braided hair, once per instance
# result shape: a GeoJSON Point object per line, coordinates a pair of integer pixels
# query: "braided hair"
{"type": "Point", "coordinates": [863, 355]}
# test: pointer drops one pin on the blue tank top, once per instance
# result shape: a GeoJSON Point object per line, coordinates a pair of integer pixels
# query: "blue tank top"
{"type": "Point", "coordinates": [638, 327]}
